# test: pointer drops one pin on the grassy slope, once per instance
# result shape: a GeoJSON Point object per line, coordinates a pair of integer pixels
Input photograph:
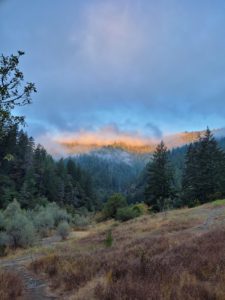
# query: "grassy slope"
{"type": "Point", "coordinates": [178, 255]}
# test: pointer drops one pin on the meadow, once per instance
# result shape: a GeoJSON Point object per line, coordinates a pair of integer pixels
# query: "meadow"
{"type": "Point", "coordinates": [178, 254]}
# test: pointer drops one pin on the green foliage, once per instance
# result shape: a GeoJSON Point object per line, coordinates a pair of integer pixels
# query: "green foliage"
{"type": "Point", "coordinates": [115, 202]}
{"type": "Point", "coordinates": [21, 228]}
{"type": "Point", "coordinates": [204, 172]}
{"type": "Point", "coordinates": [109, 174]}
{"type": "Point", "coordinates": [29, 173]}
{"type": "Point", "coordinates": [141, 208]}
{"type": "Point", "coordinates": [81, 221]}
{"type": "Point", "coordinates": [12, 92]}
{"type": "Point", "coordinates": [220, 202]}
{"type": "Point", "coordinates": [127, 213]}
{"type": "Point", "coordinates": [109, 239]}
{"type": "Point", "coordinates": [33, 177]}
{"type": "Point", "coordinates": [63, 230]}
{"type": "Point", "coordinates": [12, 210]}
{"type": "Point", "coordinates": [160, 183]}
{"type": "Point", "coordinates": [44, 221]}
{"type": "Point", "coordinates": [59, 214]}
{"type": "Point", "coordinates": [48, 217]}
{"type": "Point", "coordinates": [20, 231]}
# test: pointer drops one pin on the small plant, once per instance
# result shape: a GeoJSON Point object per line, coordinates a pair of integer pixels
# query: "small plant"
{"type": "Point", "coordinates": [63, 230]}
{"type": "Point", "coordinates": [109, 238]}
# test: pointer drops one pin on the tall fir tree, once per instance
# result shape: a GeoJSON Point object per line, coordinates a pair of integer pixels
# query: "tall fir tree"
{"type": "Point", "coordinates": [204, 172]}
{"type": "Point", "coordinates": [159, 179]}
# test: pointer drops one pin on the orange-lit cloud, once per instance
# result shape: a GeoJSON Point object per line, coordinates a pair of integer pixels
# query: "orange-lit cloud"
{"type": "Point", "coordinates": [85, 140]}
{"type": "Point", "coordinates": [106, 136]}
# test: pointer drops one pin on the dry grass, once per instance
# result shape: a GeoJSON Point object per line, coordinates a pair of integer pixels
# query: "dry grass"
{"type": "Point", "coordinates": [164, 257]}
{"type": "Point", "coordinates": [11, 286]}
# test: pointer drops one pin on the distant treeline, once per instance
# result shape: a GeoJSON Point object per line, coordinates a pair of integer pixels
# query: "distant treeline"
{"type": "Point", "coordinates": [30, 175]}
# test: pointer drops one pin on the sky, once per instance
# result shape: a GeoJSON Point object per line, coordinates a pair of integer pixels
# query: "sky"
{"type": "Point", "coordinates": [110, 69]}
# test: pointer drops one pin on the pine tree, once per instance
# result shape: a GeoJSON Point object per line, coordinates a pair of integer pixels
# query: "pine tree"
{"type": "Point", "coordinates": [203, 177]}
{"type": "Point", "coordinates": [159, 179]}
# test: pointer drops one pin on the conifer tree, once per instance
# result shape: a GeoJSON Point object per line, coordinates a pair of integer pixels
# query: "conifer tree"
{"type": "Point", "coordinates": [204, 174]}
{"type": "Point", "coordinates": [159, 179]}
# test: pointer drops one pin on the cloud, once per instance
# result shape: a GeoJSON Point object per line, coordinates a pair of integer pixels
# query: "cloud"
{"type": "Point", "coordinates": [67, 143]}
{"type": "Point", "coordinates": [84, 140]}
{"type": "Point", "coordinates": [154, 130]}
{"type": "Point", "coordinates": [103, 62]}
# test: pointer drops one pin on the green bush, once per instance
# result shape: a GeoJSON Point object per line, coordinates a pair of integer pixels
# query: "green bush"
{"type": "Point", "coordinates": [63, 230]}
{"type": "Point", "coordinates": [127, 213]}
{"type": "Point", "coordinates": [48, 217]}
{"type": "Point", "coordinates": [59, 214]}
{"type": "Point", "coordinates": [18, 227]}
{"type": "Point", "coordinates": [115, 202]}
{"type": "Point", "coordinates": [141, 208]}
{"type": "Point", "coordinates": [81, 221]}
{"type": "Point", "coordinates": [12, 209]}
{"type": "Point", "coordinates": [20, 231]}
{"type": "Point", "coordinates": [43, 221]}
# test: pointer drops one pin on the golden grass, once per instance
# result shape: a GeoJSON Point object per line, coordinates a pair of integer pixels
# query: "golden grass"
{"type": "Point", "coordinates": [11, 285]}
{"type": "Point", "coordinates": [170, 255]}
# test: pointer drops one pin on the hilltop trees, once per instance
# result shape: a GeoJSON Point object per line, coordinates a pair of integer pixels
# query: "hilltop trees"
{"type": "Point", "coordinates": [204, 171]}
{"type": "Point", "coordinates": [159, 187]}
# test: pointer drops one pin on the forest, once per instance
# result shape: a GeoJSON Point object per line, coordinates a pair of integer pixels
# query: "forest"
{"type": "Point", "coordinates": [179, 177]}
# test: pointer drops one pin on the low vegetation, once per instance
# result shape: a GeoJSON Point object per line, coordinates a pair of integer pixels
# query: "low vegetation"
{"type": "Point", "coordinates": [11, 286]}
{"type": "Point", "coordinates": [164, 256]}
{"type": "Point", "coordinates": [63, 230]}
{"type": "Point", "coordinates": [22, 228]}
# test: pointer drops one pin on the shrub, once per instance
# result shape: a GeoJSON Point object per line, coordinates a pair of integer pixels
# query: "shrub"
{"type": "Point", "coordinates": [81, 221]}
{"type": "Point", "coordinates": [19, 231]}
{"type": "Point", "coordinates": [141, 208]}
{"type": "Point", "coordinates": [115, 202]}
{"type": "Point", "coordinates": [43, 221]}
{"type": "Point", "coordinates": [127, 213]}
{"type": "Point", "coordinates": [63, 230]}
{"type": "Point", "coordinates": [58, 214]}
{"type": "Point", "coordinates": [12, 209]}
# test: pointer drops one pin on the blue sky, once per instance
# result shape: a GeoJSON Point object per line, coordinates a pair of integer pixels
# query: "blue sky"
{"type": "Point", "coordinates": [135, 67]}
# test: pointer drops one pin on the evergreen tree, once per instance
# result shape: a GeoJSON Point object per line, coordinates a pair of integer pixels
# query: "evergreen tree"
{"type": "Point", "coordinates": [204, 174]}
{"type": "Point", "coordinates": [159, 179]}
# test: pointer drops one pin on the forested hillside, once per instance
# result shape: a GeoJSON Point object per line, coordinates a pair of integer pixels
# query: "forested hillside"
{"type": "Point", "coordinates": [112, 170]}
{"type": "Point", "coordinates": [29, 174]}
